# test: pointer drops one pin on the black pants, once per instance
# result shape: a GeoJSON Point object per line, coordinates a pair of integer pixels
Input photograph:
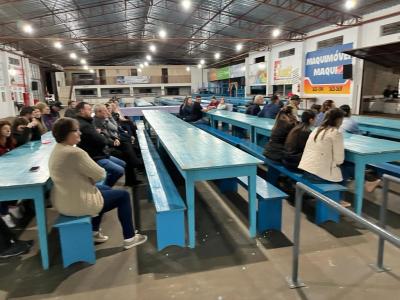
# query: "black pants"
{"type": "Point", "coordinates": [126, 152]}
{"type": "Point", "coordinates": [6, 236]}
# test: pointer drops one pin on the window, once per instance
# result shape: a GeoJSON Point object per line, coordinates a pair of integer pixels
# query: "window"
{"type": "Point", "coordinates": [13, 61]}
{"type": "Point", "coordinates": [258, 89]}
{"type": "Point", "coordinates": [134, 72]}
{"type": "Point", "coordinates": [259, 59]}
{"type": "Point", "coordinates": [391, 28]}
{"type": "Point", "coordinates": [330, 42]}
{"type": "Point", "coordinates": [287, 53]}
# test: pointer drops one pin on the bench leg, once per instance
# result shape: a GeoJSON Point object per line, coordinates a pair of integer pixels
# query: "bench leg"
{"type": "Point", "coordinates": [170, 229]}
{"type": "Point", "coordinates": [272, 175]}
{"type": "Point", "coordinates": [324, 213]}
{"type": "Point", "coordinates": [77, 244]}
{"type": "Point", "coordinates": [269, 215]}
{"type": "Point", "coordinates": [227, 185]}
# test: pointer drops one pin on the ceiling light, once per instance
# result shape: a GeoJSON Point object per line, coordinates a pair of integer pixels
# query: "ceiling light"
{"type": "Point", "coordinates": [276, 32]}
{"type": "Point", "coordinates": [202, 62]}
{"type": "Point", "coordinates": [188, 69]}
{"type": "Point", "coordinates": [85, 67]}
{"type": "Point", "coordinates": [139, 70]}
{"type": "Point", "coordinates": [152, 48]}
{"type": "Point", "coordinates": [350, 4]}
{"type": "Point", "coordinates": [199, 66]}
{"type": "Point", "coordinates": [27, 28]}
{"type": "Point", "coordinates": [58, 45]}
{"type": "Point", "coordinates": [141, 66]}
{"type": "Point", "coordinates": [91, 71]}
{"type": "Point", "coordinates": [12, 72]}
{"type": "Point", "coordinates": [186, 4]}
{"type": "Point", "coordinates": [217, 55]}
{"type": "Point", "coordinates": [148, 57]}
{"type": "Point", "coordinates": [162, 33]}
{"type": "Point", "coordinates": [239, 47]}
{"type": "Point", "coordinates": [73, 55]}
{"type": "Point", "coordinates": [83, 61]}
{"type": "Point", "coordinates": [146, 63]}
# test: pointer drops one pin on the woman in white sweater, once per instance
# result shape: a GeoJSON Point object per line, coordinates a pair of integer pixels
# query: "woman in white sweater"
{"type": "Point", "coordinates": [323, 156]}
{"type": "Point", "coordinates": [74, 193]}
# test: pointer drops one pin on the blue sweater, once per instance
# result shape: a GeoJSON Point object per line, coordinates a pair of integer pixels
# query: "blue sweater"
{"type": "Point", "coordinates": [269, 111]}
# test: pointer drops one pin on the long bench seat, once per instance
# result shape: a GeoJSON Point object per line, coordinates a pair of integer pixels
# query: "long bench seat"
{"type": "Point", "coordinates": [170, 208]}
{"type": "Point", "coordinates": [332, 190]}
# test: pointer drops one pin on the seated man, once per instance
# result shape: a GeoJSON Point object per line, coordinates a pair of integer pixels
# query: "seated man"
{"type": "Point", "coordinates": [120, 145]}
{"type": "Point", "coordinates": [271, 109]}
{"type": "Point", "coordinates": [196, 113]}
{"type": "Point", "coordinates": [70, 112]}
{"type": "Point", "coordinates": [35, 129]}
{"type": "Point", "coordinates": [95, 144]}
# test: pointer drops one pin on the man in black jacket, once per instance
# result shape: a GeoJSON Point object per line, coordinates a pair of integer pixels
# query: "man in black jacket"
{"type": "Point", "coordinates": [196, 113]}
{"type": "Point", "coordinates": [96, 145]}
{"type": "Point", "coordinates": [119, 145]}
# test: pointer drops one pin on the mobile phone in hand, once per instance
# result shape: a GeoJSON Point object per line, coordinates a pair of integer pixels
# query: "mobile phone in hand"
{"type": "Point", "coordinates": [34, 169]}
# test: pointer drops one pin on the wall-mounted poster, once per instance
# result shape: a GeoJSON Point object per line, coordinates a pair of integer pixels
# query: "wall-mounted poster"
{"type": "Point", "coordinates": [223, 73]}
{"type": "Point", "coordinates": [285, 71]}
{"type": "Point", "coordinates": [133, 79]}
{"type": "Point", "coordinates": [258, 73]}
{"type": "Point", "coordinates": [212, 75]}
{"type": "Point", "coordinates": [237, 71]}
{"type": "Point", "coordinates": [324, 71]}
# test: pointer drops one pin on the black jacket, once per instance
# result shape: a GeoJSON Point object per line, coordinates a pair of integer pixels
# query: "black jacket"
{"type": "Point", "coordinates": [22, 137]}
{"type": "Point", "coordinates": [275, 146]}
{"type": "Point", "coordinates": [94, 143]}
{"type": "Point", "coordinates": [184, 111]}
{"type": "Point", "coordinates": [70, 113]}
{"type": "Point", "coordinates": [195, 114]}
{"type": "Point", "coordinates": [294, 146]}
{"type": "Point", "coordinates": [253, 109]}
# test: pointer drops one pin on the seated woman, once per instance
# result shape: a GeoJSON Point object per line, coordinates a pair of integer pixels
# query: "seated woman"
{"type": "Point", "coordinates": [285, 121]}
{"type": "Point", "coordinates": [349, 125]}
{"type": "Point", "coordinates": [327, 105]}
{"type": "Point", "coordinates": [323, 156]}
{"type": "Point", "coordinates": [46, 115]}
{"type": "Point", "coordinates": [8, 209]}
{"type": "Point", "coordinates": [74, 191]}
{"type": "Point", "coordinates": [185, 108]}
{"type": "Point", "coordinates": [222, 104]}
{"type": "Point", "coordinates": [296, 140]}
{"type": "Point", "coordinates": [41, 127]}
{"type": "Point", "coordinates": [254, 108]}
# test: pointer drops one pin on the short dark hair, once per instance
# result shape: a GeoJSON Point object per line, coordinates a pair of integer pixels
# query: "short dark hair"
{"type": "Point", "coordinates": [62, 127]}
{"type": "Point", "coordinates": [26, 110]}
{"type": "Point", "coordinates": [306, 116]}
{"type": "Point", "coordinates": [17, 122]}
{"type": "Point", "coordinates": [295, 97]}
{"type": "Point", "coordinates": [81, 105]}
{"type": "Point", "coordinates": [346, 109]}
{"type": "Point", "coordinates": [198, 96]}
{"type": "Point", "coordinates": [274, 98]}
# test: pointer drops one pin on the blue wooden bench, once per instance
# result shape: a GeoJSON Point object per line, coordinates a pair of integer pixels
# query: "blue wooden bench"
{"type": "Point", "coordinates": [332, 190]}
{"type": "Point", "coordinates": [76, 239]}
{"type": "Point", "coordinates": [170, 208]}
{"type": "Point", "coordinates": [269, 213]}
{"type": "Point", "coordinates": [387, 168]}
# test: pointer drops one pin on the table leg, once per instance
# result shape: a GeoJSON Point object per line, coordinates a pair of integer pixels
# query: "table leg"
{"type": "Point", "coordinates": [253, 136]}
{"type": "Point", "coordinates": [359, 186]}
{"type": "Point", "coordinates": [252, 203]}
{"type": "Point", "coordinates": [38, 198]}
{"type": "Point", "coordinates": [189, 184]}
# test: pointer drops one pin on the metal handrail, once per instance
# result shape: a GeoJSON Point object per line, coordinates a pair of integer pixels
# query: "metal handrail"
{"type": "Point", "coordinates": [301, 189]}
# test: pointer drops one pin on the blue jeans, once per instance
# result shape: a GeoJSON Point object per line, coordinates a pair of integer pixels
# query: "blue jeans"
{"type": "Point", "coordinates": [347, 169]}
{"type": "Point", "coordinates": [114, 167]}
{"type": "Point", "coordinates": [121, 200]}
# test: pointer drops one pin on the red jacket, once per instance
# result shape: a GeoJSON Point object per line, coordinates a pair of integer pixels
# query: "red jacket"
{"type": "Point", "coordinates": [10, 144]}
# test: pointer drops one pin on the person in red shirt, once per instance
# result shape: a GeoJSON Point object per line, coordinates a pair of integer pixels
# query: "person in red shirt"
{"type": "Point", "coordinates": [7, 143]}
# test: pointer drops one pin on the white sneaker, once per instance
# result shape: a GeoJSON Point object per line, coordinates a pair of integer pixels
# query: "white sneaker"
{"type": "Point", "coordinates": [138, 239]}
{"type": "Point", "coordinates": [98, 237]}
{"type": "Point", "coordinates": [9, 221]}
{"type": "Point", "coordinates": [15, 211]}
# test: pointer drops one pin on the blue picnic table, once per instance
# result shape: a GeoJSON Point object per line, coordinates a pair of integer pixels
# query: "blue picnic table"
{"type": "Point", "coordinates": [200, 156]}
{"type": "Point", "coordinates": [360, 150]}
{"type": "Point", "coordinates": [17, 182]}
{"type": "Point", "coordinates": [382, 127]}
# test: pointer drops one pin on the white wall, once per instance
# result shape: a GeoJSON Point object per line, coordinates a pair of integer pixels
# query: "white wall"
{"type": "Point", "coordinates": [197, 80]}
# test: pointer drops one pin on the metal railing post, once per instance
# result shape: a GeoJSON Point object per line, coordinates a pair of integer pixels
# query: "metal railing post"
{"type": "Point", "coordinates": [301, 189]}
{"type": "Point", "coordinates": [379, 267]}
{"type": "Point", "coordinates": [293, 281]}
